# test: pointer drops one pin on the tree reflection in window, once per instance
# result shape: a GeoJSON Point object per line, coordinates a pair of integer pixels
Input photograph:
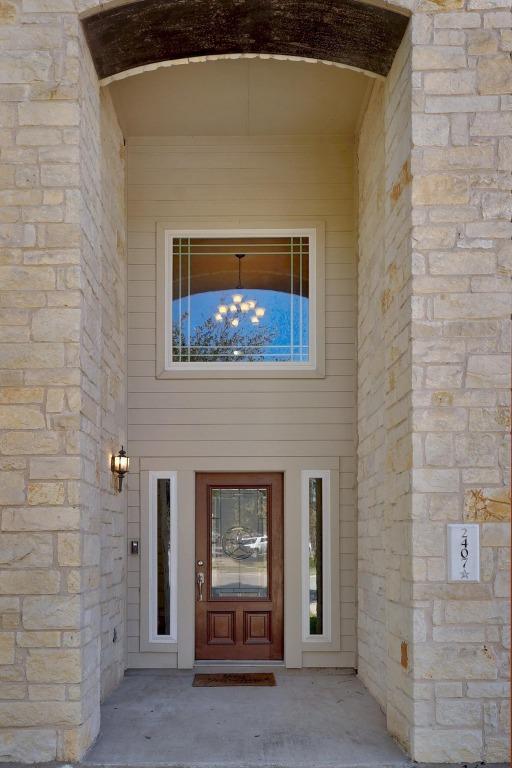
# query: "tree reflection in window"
{"type": "Point", "coordinates": [211, 341]}
{"type": "Point", "coordinates": [316, 599]}
{"type": "Point", "coordinates": [163, 556]}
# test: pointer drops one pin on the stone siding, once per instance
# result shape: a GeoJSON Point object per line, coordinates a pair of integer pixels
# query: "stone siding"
{"type": "Point", "coordinates": [62, 386]}
{"type": "Point", "coordinates": [384, 392]}
{"type": "Point", "coordinates": [371, 587]}
{"type": "Point", "coordinates": [103, 361]}
{"type": "Point", "coordinates": [440, 668]}
{"type": "Point", "coordinates": [462, 265]}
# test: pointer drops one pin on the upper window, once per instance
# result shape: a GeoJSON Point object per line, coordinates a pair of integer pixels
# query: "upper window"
{"type": "Point", "coordinates": [240, 299]}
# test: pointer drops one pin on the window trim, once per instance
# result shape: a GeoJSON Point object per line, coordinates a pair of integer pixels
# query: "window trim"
{"type": "Point", "coordinates": [315, 367]}
{"type": "Point", "coordinates": [153, 636]}
{"type": "Point", "coordinates": [325, 476]}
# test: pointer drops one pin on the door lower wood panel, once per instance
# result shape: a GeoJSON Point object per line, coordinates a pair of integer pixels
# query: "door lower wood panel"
{"type": "Point", "coordinates": [239, 566]}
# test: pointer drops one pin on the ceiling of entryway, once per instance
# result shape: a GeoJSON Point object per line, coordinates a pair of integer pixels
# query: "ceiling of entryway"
{"type": "Point", "coordinates": [240, 97]}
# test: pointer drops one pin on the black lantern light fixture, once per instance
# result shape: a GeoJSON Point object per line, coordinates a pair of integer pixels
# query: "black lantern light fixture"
{"type": "Point", "coordinates": [120, 465]}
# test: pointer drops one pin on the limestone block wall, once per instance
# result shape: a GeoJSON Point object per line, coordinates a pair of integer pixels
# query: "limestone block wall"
{"type": "Point", "coordinates": [384, 393]}
{"type": "Point", "coordinates": [103, 366]}
{"type": "Point", "coordinates": [59, 414]}
{"type": "Point", "coordinates": [113, 396]}
{"type": "Point", "coordinates": [436, 653]}
{"type": "Point", "coordinates": [371, 588]}
{"type": "Point", "coordinates": [40, 315]}
{"type": "Point", "coordinates": [461, 293]}
{"type": "Point", "coordinates": [395, 308]}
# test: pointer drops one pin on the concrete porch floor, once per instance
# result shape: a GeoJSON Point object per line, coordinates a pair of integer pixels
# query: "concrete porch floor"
{"type": "Point", "coordinates": [311, 719]}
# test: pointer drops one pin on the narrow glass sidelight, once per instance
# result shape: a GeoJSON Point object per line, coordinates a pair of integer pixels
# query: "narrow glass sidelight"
{"type": "Point", "coordinates": [316, 544]}
{"type": "Point", "coordinates": [163, 557]}
{"type": "Point", "coordinates": [316, 592]}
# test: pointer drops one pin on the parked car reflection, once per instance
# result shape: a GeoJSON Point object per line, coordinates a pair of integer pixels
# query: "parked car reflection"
{"type": "Point", "coordinates": [257, 545]}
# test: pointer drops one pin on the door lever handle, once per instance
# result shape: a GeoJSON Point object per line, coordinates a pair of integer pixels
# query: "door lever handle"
{"type": "Point", "coordinates": [200, 582]}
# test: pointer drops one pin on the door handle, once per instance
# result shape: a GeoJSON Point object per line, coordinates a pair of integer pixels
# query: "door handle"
{"type": "Point", "coordinates": [200, 582]}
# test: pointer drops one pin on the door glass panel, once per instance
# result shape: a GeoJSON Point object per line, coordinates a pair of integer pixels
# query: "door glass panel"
{"type": "Point", "coordinates": [316, 607]}
{"type": "Point", "coordinates": [239, 543]}
{"type": "Point", "coordinates": [163, 542]}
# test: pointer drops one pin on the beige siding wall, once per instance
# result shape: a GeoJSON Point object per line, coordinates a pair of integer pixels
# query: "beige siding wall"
{"type": "Point", "coordinates": [269, 178]}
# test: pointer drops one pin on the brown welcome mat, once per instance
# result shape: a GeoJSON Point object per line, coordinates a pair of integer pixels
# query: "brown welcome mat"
{"type": "Point", "coordinates": [226, 679]}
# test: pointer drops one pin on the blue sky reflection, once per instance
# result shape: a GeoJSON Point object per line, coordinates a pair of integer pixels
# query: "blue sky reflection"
{"type": "Point", "coordinates": [286, 322]}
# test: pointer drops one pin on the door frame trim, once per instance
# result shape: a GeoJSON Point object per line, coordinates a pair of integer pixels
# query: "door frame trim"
{"type": "Point", "coordinates": [182, 654]}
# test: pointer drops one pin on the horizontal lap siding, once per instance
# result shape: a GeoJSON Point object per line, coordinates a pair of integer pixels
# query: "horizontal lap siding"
{"type": "Point", "coordinates": [270, 179]}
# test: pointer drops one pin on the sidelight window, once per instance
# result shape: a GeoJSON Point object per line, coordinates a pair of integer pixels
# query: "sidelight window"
{"type": "Point", "coordinates": [240, 300]}
{"type": "Point", "coordinates": [316, 545]}
{"type": "Point", "coordinates": [163, 557]}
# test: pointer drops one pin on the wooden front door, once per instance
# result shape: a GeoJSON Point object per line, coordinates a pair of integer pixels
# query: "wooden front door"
{"type": "Point", "coordinates": [239, 566]}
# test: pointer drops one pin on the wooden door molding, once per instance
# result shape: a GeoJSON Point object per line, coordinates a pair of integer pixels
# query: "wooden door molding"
{"type": "Point", "coordinates": [233, 628]}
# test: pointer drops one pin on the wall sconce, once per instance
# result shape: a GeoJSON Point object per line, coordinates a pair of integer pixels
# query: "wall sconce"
{"type": "Point", "coordinates": [120, 465]}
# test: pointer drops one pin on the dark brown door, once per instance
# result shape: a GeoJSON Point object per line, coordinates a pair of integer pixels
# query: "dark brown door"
{"type": "Point", "coordinates": [239, 566]}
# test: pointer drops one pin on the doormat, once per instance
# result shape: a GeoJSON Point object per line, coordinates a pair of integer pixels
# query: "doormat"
{"type": "Point", "coordinates": [227, 679]}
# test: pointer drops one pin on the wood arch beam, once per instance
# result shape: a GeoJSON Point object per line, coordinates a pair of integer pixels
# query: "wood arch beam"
{"type": "Point", "coordinates": [347, 32]}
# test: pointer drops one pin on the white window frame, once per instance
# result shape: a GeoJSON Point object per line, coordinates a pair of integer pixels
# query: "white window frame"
{"type": "Point", "coordinates": [153, 636]}
{"type": "Point", "coordinates": [325, 476]}
{"type": "Point", "coordinates": [315, 366]}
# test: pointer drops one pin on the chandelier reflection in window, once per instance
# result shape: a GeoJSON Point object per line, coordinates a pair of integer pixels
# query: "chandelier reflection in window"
{"type": "Point", "coordinates": [260, 315]}
{"type": "Point", "coordinates": [240, 306]}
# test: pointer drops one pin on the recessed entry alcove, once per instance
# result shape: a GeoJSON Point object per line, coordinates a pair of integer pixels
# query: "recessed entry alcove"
{"type": "Point", "coordinates": [255, 156]}
{"type": "Point", "coordinates": [255, 168]}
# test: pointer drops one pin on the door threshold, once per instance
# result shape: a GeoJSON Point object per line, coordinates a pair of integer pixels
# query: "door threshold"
{"type": "Point", "coordinates": [237, 666]}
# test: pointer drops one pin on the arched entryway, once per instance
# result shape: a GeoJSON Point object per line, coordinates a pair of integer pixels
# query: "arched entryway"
{"type": "Point", "coordinates": [347, 32]}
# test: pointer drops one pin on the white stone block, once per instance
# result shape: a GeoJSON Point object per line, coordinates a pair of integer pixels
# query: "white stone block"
{"type": "Point", "coordinates": [430, 130]}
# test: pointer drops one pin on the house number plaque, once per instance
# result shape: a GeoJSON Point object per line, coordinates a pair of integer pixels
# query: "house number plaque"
{"type": "Point", "coordinates": [463, 552]}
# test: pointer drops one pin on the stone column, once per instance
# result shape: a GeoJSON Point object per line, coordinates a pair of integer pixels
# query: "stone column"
{"type": "Point", "coordinates": [53, 452]}
{"type": "Point", "coordinates": [40, 315]}
{"type": "Point", "coordinates": [434, 360]}
{"type": "Point", "coordinates": [462, 264]}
